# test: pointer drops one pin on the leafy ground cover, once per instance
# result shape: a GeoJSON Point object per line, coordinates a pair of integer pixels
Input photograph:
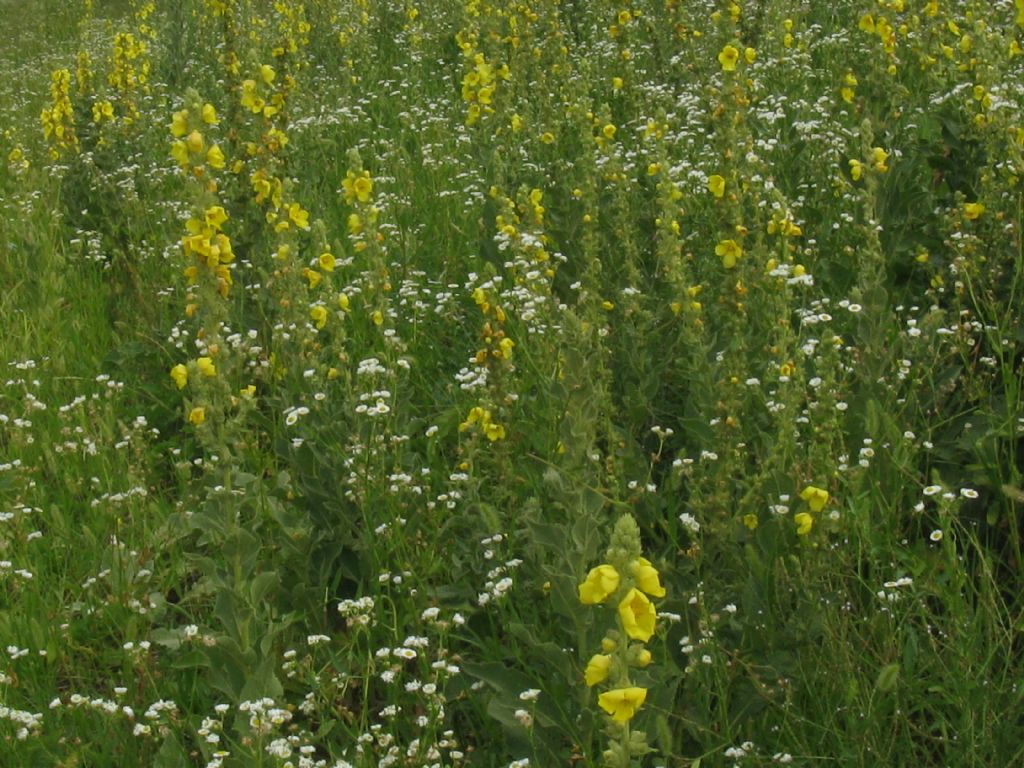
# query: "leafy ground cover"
{"type": "Point", "coordinates": [467, 383]}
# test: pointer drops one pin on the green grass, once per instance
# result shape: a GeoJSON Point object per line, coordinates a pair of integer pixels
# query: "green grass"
{"type": "Point", "coordinates": [305, 454]}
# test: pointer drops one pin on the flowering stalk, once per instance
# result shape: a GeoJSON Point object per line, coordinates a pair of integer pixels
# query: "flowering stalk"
{"type": "Point", "coordinates": [626, 581]}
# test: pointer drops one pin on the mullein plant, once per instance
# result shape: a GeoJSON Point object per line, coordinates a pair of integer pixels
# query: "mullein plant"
{"type": "Point", "coordinates": [624, 584]}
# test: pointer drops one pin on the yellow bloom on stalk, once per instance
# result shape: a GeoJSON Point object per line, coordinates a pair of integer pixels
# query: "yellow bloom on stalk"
{"type": "Point", "coordinates": [194, 142]}
{"type": "Point", "coordinates": [357, 187]}
{"type": "Point", "coordinates": [209, 114]}
{"type": "Point", "coordinates": [730, 251]}
{"type": "Point", "coordinates": [816, 498]}
{"type": "Point", "coordinates": [180, 375]}
{"type": "Point", "coordinates": [179, 123]}
{"type": "Point", "coordinates": [750, 55]}
{"type": "Point", "coordinates": [197, 415]}
{"type": "Point", "coordinates": [298, 215]}
{"type": "Point", "coordinates": [599, 585]}
{"type": "Point", "coordinates": [880, 157]}
{"type": "Point", "coordinates": [856, 170]}
{"type": "Point", "coordinates": [206, 367]}
{"type": "Point", "coordinates": [804, 523]}
{"type": "Point", "coordinates": [716, 185]}
{"type": "Point", "coordinates": [179, 151]}
{"type": "Point", "coordinates": [215, 216]}
{"type": "Point", "coordinates": [215, 157]}
{"type": "Point", "coordinates": [637, 615]}
{"type": "Point", "coordinates": [319, 316]}
{"type": "Point", "coordinates": [647, 578]}
{"type": "Point", "coordinates": [728, 58]}
{"type": "Point", "coordinates": [597, 669]}
{"type": "Point", "coordinates": [327, 261]}
{"type": "Point", "coordinates": [102, 110]}
{"type": "Point", "coordinates": [973, 211]}
{"type": "Point", "coordinates": [622, 703]}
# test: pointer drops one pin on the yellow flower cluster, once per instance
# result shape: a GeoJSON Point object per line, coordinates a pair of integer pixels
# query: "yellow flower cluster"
{"type": "Point", "coordinates": [481, 81]}
{"type": "Point", "coordinates": [636, 620]}
{"type": "Point", "coordinates": [259, 97]}
{"type": "Point", "coordinates": [210, 246]}
{"type": "Point", "coordinates": [481, 419]}
{"type": "Point", "coordinates": [357, 187]}
{"type": "Point", "coordinates": [204, 366]}
{"type": "Point", "coordinates": [124, 76]}
{"type": "Point", "coordinates": [58, 119]}
{"type": "Point", "coordinates": [880, 27]}
{"type": "Point", "coordinates": [189, 147]}
{"type": "Point", "coordinates": [816, 499]}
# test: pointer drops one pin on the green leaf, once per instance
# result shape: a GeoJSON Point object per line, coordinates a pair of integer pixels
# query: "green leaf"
{"type": "Point", "coordinates": [170, 755]}
{"type": "Point", "coordinates": [262, 585]}
{"type": "Point", "coordinates": [888, 678]}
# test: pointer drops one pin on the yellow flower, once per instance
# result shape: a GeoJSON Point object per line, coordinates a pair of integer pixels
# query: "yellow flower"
{"type": "Point", "coordinates": [599, 585]}
{"type": "Point", "coordinates": [973, 210]}
{"type": "Point", "coordinates": [716, 185]}
{"type": "Point", "coordinates": [609, 131]}
{"type": "Point", "coordinates": [597, 669]}
{"type": "Point", "coordinates": [357, 187]}
{"type": "Point", "coordinates": [194, 142]}
{"type": "Point", "coordinates": [319, 316]}
{"type": "Point", "coordinates": [209, 114]}
{"type": "Point", "coordinates": [856, 169]}
{"type": "Point", "coordinates": [197, 415]}
{"type": "Point", "coordinates": [180, 375]}
{"type": "Point", "coordinates": [647, 578]}
{"type": "Point", "coordinates": [804, 523]}
{"type": "Point", "coordinates": [730, 251]}
{"type": "Point", "coordinates": [750, 55]}
{"type": "Point", "coordinates": [816, 498]}
{"type": "Point", "coordinates": [215, 157]}
{"type": "Point", "coordinates": [206, 367]}
{"type": "Point", "coordinates": [179, 151]}
{"type": "Point", "coordinates": [298, 215]}
{"type": "Point", "coordinates": [327, 261]}
{"type": "Point", "coordinates": [880, 157]}
{"type": "Point", "coordinates": [637, 615]}
{"type": "Point", "coordinates": [494, 431]}
{"type": "Point", "coordinates": [750, 521]}
{"type": "Point", "coordinates": [215, 216]}
{"type": "Point", "coordinates": [179, 124]}
{"type": "Point", "coordinates": [622, 703]}
{"type": "Point", "coordinates": [728, 58]}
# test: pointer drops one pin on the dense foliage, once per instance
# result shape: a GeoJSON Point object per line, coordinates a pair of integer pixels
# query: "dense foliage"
{"type": "Point", "coordinates": [476, 383]}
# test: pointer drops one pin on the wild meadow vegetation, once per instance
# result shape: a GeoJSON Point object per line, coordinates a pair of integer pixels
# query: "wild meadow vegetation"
{"type": "Point", "coordinates": [441, 383]}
